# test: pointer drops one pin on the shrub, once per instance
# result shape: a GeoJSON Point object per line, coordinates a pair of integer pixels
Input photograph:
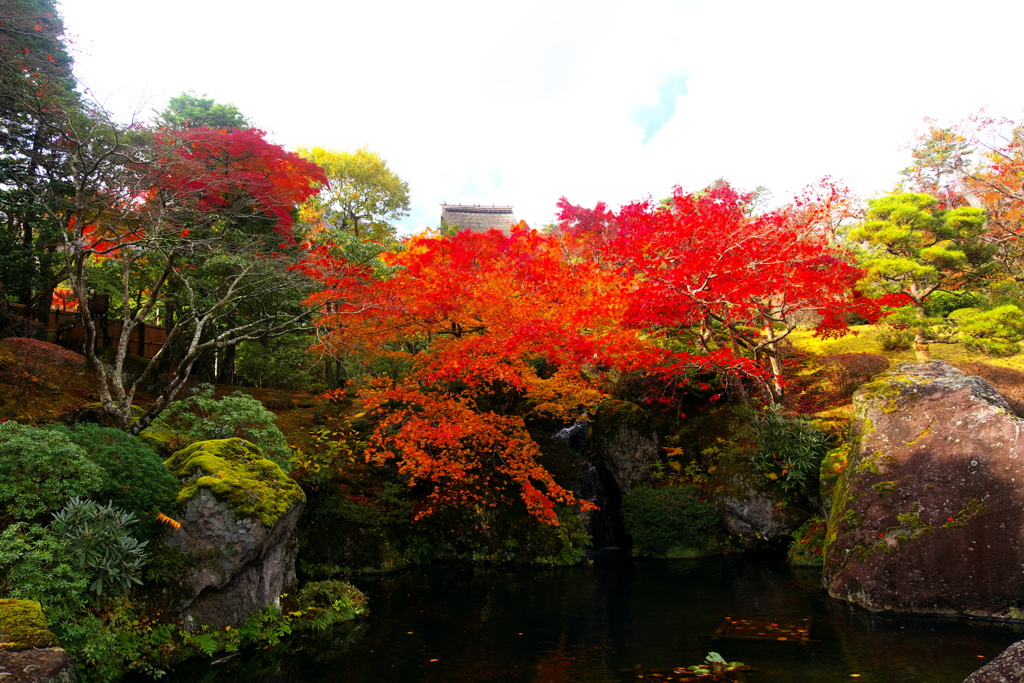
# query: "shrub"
{"type": "Point", "coordinates": [201, 417]}
{"type": "Point", "coordinates": [996, 332]}
{"type": "Point", "coordinates": [660, 519]}
{"type": "Point", "coordinates": [806, 550]}
{"type": "Point", "coordinates": [339, 599]}
{"type": "Point", "coordinates": [40, 470]}
{"type": "Point", "coordinates": [940, 304]}
{"type": "Point", "coordinates": [37, 564]}
{"type": "Point", "coordinates": [106, 553]}
{"type": "Point", "coordinates": [896, 340]}
{"type": "Point", "coordinates": [134, 476]}
{"type": "Point", "coordinates": [789, 450]}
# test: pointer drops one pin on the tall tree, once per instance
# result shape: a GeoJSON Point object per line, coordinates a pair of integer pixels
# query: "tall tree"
{"type": "Point", "coordinates": [188, 110]}
{"type": "Point", "coordinates": [703, 270]}
{"type": "Point", "coordinates": [35, 76]}
{"type": "Point", "coordinates": [364, 197]}
{"type": "Point", "coordinates": [913, 248]}
{"type": "Point", "coordinates": [209, 211]}
{"type": "Point", "coordinates": [472, 316]}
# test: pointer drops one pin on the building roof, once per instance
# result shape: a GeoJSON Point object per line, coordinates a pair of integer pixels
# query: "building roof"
{"type": "Point", "coordinates": [478, 218]}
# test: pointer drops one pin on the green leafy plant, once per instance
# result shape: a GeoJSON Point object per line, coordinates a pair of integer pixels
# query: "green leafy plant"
{"type": "Point", "coordinates": [789, 450]}
{"type": "Point", "coordinates": [995, 332]}
{"type": "Point", "coordinates": [37, 564]}
{"type": "Point", "coordinates": [806, 550]}
{"type": "Point", "coordinates": [895, 339]}
{"type": "Point", "coordinates": [201, 417]}
{"type": "Point", "coordinates": [660, 519]}
{"type": "Point", "coordinates": [329, 602]}
{"type": "Point", "coordinates": [102, 546]}
{"type": "Point", "coordinates": [40, 470]}
{"type": "Point", "coordinates": [134, 476]}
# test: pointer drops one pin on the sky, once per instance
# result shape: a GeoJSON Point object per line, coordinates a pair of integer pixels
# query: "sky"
{"type": "Point", "coordinates": [521, 103]}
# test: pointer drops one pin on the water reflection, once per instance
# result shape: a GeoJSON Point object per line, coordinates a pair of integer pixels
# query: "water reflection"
{"type": "Point", "coordinates": [613, 621]}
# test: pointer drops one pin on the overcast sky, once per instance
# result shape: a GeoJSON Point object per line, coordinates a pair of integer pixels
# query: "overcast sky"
{"type": "Point", "coordinates": [519, 103]}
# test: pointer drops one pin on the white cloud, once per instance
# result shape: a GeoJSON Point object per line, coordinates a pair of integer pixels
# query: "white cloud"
{"type": "Point", "coordinates": [521, 103]}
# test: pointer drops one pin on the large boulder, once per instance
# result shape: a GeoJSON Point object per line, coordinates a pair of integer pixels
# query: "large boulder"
{"type": "Point", "coordinates": [1008, 667]}
{"type": "Point", "coordinates": [927, 515]}
{"type": "Point", "coordinates": [238, 512]}
{"type": "Point", "coordinates": [626, 439]}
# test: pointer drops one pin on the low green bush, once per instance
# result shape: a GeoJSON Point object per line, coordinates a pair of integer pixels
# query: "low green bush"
{"type": "Point", "coordinates": [201, 417]}
{"type": "Point", "coordinates": [134, 476]}
{"type": "Point", "coordinates": [940, 303]}
{"type": "Point", "coordinates": [994, 332]}
{"type": "Point", "coordinates": [37, 564]}
{"type": "Point", "coordinates": [673, 517]}
{"type": "Point", "coordinates": [331, 601]}
{"type": "Point", "coordinates": [896, 340]}
{"type": "Point", "coordinates": [807, 548]}
{"type": "Point", "coordinates": [40, 470]}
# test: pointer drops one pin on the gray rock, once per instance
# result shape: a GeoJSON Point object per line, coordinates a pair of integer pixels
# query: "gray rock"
{"type": "Point", "coordinates": [238, 519]}
{"type": "Point", "coordinates": [42, 665]}
{"type": "Point", "coordinates": [242, 566]}
{"type": "Point", "coordinates": [626, 440]}
{"type": "Point", "coordinates": [752, 516]}
{"type": "Point", "coordinates": [1008, 667]}
{"type": "Point", "coordinates": [928, 514]}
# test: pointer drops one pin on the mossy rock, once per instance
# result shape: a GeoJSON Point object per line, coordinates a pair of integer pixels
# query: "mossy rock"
{"type": "Point", "coordinates": [613, 415]}
{"type": "Point", "coordinates": [236, 471]}
{"type": "Point", "coordinates": [23, 626]}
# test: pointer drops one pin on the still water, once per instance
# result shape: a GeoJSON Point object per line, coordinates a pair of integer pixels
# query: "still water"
{"type": "Point", "coordinates": [614, 620]}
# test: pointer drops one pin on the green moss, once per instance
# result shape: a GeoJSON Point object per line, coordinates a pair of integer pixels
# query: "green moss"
{"type": "Point", "coordinates": [236, 471]}
{"type": "Point", "coordinates": [910, 527]}
{"type": "Point", "coordinates": [912, 520]}
{"type": "Point", "coordinates": [884, 488]}
{"type": "Point", "coordinates": [961, 519]}
{"type": "Point", "coordinates": [876, 463]}
{"type": "Point", "coordinates": [23, 626]}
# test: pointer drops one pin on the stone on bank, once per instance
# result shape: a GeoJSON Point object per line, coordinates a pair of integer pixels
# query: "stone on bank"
{"type": "Point", "coordinates": [928, 515]}
{"type": "Point", "coordinates": [238, 513]}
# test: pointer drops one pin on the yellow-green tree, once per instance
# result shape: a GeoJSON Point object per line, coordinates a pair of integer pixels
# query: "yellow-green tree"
{"type": "Point", "coordinates": [364, 197]}
{"type": "Point", "coordinates": [913, 247]}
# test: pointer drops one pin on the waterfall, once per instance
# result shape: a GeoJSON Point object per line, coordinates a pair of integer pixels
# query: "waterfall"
{"type": "Point", "coordinates": [592, 489]}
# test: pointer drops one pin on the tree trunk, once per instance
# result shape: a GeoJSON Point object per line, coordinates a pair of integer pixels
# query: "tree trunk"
{"type": "Point", "coordinates": [227, 367]}
{"type": "Point", "coordinates": [920, 341]}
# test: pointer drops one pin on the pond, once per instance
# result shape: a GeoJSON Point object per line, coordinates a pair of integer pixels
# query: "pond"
{"type": "Point", "coordinates": [617, 619]}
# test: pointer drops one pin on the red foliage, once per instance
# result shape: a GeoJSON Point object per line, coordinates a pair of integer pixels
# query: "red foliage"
{"type": "Point", "coordinates": [609, 292]}
{"type": "Point", "coordinates": [702, 259]}
{"type": "Point", "coordinates": [221, 171]}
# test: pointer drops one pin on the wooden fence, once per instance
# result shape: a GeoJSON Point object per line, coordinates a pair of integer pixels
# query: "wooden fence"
{"type": "Point", "coordinates": [68, 331]}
